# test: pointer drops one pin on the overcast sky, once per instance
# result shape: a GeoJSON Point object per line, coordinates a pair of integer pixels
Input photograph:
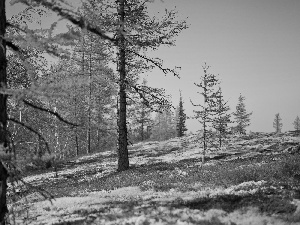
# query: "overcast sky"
{"type": "Point", "coordinates": [254, 46]}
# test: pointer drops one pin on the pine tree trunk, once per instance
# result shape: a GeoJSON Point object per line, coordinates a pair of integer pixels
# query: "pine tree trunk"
{"type": "Point", "coordinates": [204, 139]}
{"type": "Point", "coordinates": [3, 113]}
{"type": "Point", "coordinates": [123, 161]}
{"type": "Point", "coordinates": [220, 131]}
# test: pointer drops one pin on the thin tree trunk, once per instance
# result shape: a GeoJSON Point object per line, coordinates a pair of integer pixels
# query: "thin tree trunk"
{"type": "Point", "coordinates": [123, 160]}
{"type": "Point", "coordinates": [220, 140]}
{"type": "Point", "coordinates": [89, 107]}
{"type": "Point", "coordinates": [76, 142]}
{"type": "Point", "coordinates": [204, 138]}
{"type": "Point", "coordinates": [220, 123]}
{"type": "Point", "coordinates": [161, 132]}
{"type": "Point", "coordinates": [75, 128]}
{"type": "Point", "coordinates": [142, 123]}
{"type": "Point", "coordinates": [56, 134]}
{"type": "Point", "coordinates": [83, 65]}
{"type": "Point", "coordinates": [142, 130]}
{"type": "Point", "coordinates": [3, 113]}
{"type": "Point", "coordinates": [204, 123]}
{"type": "Point", "coordinates": [98, 139]}
{"type": "Point", "coordinates": [100, 121]}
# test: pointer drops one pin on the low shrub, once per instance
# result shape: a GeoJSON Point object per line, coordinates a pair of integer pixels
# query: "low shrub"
{"type": "Point", "coordinates": [290, 166]}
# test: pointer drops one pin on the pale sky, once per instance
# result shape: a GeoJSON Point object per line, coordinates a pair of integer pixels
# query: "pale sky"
{"type": "Point", "coordinates": [254, 46]}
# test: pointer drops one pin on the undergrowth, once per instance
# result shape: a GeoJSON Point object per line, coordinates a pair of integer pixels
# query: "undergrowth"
{"type": "Point", "coordinates": [166, 176]}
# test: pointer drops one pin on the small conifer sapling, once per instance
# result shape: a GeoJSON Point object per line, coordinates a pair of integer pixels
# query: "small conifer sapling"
{"type": "Point", "coordinates": [242, 118]}
{"type": "Point", "coordinates": [296, 124]}
{"type": "Point", "coordinates": [277, 123]}
{"type": "Point", "coordinates": [222, 118]}
{"type": "Point", "coordinates": [206, 114]}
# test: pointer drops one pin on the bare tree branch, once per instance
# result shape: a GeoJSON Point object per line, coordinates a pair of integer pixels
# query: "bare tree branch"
{"type": "Point", "coordinates": [49, 111]}
{"type": "Point", "coordinates": [80, 21]}
{"type": "Point", "coordinates": [143, 92]}
{"type": "Point", "coordinates": [195, 104]}
{"type": "Point", "coordinates": [13, 46]}
{"type": "Point", "coordinates": [155, 63]}
{"type": "Point", "coordinates": [32, 130]}
{"type": "Point", "coordinates": [46, 46]}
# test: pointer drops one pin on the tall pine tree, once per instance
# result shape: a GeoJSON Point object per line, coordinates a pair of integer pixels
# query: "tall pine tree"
{"type": "Point", "coordinates": [181, 118]}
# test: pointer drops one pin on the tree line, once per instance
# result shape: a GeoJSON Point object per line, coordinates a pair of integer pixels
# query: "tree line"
{"type": "Point", "coordinates": [214, 114]}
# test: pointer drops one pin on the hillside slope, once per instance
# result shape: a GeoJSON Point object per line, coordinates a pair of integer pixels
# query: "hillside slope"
{"type": "Point", "coordinates": [254, 179]}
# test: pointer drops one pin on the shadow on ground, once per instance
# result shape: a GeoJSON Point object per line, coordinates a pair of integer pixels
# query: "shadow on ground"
{"type": "Point", "coordinates": [269, 204]}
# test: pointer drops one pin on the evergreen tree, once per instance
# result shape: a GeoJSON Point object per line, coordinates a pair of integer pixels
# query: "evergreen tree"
{"type": "Point", "coordinates": [206, 115]}
{"type": "Point", "coordinates": [296, 124]}
{"type": "Point", "coordinates": [242, 118]}
{"type": "Point", "coordinates": [180, 119]}
{"type": "Point", "coordinates": [222, 118]}
{"type": "Point", "coordinates": [277, 123]}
